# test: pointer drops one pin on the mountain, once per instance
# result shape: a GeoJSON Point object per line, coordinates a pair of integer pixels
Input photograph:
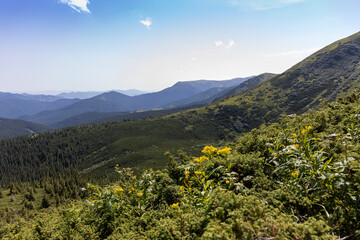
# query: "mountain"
{"type": "Point", "coordinates": [251, 83]}
{"type": "Point", "coordinates": [96, 149]}
{"type": "Point", "coordinates": [214, 94]}
{"type": "Point", "coordinates": [90, 94]}
{"type": "Point", "coordinates": [79, 95]}
{"type": "Point", "coordinates": [117, 102]}
{"type": "Point", "coordinates": [132, 92]}
{"type": "Point", "coordinates": [16, 105]}
{"type": "Point", "coordinates": [325, 75]}
{"type": "Point", "coordinates": [12, 128]}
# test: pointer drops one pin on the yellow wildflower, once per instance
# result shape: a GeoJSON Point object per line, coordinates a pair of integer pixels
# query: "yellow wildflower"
{"type": "Point", "coordinates": [294, 134]}
{"type": "Point", "coordinates": [209, 150]}
{"type": "Point", "coordinates": [296, 146]}
{"type": "Point", "coordinates": [175, 205]}
{"type": "Point", "coordinates": [227, 182]}
{"type": "Point", "coordinates": [197, 172]}
{"type": "Point", "coordinates": [187, 173]}
{"type": "Point", "coordinates": [303, 132]}
{"type": "Point", "coordinates": [139, 194]}
{"type": "Point", "coordinates": [120, 189]}
{"type": "Point", "coordinates": [276, 155]}
{"type": "Point", "coordinates": [295, 174]}
{"type": "Point", "coordinates": [201, 159]}
{"type": "Point", "coordinates": [182, 188]}
{"type": "Point", "coordinates": [224, 151]}
{"type": "Point", "coordinates": [308, 128]}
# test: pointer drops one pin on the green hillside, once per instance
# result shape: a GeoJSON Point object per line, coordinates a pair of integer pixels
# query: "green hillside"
{"type": "Point", "coordinates": [329, 73]}
{"type": "Point", "coordinates": [13, 128]}
{"type": "Point", "coordinates": [297, 179]}
{"type": "Point", "coordinates": [96, 149]}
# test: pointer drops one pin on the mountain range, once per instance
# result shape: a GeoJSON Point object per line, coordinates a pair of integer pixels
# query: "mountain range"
{"type": "Point", "coordinates": [95, 149]}
{"type": "Point", "coordinates": [113, 101]}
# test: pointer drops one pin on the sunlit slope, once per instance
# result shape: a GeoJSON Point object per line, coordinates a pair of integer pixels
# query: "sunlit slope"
{"type": "Point", "coordinates": [327, 74]}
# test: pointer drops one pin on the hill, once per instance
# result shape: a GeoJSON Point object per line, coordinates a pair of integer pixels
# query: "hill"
{"type": "Point", "coordinates": [297, 179]}
{"type": "Point", "coordinates": [327, 74]}
{"type": "Point", "coordinates": [141, 143]}
{"type": "Point", "coordinates": [118, 102]}
{"type": "Point", "coordinates": [16, 105]}
{"type": "Point", "coordinates": [12, 128]}
{"type": "Point", "coordinates": [200, 99]}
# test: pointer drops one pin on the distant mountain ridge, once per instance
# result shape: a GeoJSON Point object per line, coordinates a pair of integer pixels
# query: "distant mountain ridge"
{"type": "Point", "coordinates": [16, 105]}
{"type": "Point", "coordinates": [117, 102]}
{"type": "Point", "coordinates": [90, 94]}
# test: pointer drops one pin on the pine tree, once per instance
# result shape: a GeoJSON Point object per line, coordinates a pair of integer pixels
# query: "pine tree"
{"type": "Point", "coordinates": [45, 203]}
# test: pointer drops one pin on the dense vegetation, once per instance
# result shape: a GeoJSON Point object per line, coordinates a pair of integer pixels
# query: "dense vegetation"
{"type": "Point", "coordinates": [12, 128]}
{"type": "Point", "coordinates": [96, 149]}
{"type": "Point", "coordinates": [297, 179]}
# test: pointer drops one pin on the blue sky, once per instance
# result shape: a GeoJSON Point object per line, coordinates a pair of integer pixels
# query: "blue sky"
{"type": "Point", "coordinates": [83, 45]}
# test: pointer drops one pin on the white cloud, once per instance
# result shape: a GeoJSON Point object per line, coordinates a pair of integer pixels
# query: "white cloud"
{"type": "Point", "coordinates": [294, 53]}
{"type": "Point", "coordinates": [77, 5]}
{"type": "Point", "coordinates": [230, 44]}
{"type": "Point", "coordinates": [193, 59]}
{"type": "Point", "coordinates": [219, 43]}
{"type": "Point", "coordinates": [259, 5]}
{"type": "Point", "coordinates": [146, 22]}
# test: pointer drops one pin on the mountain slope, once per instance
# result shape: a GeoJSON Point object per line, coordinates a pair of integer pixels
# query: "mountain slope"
{"type": "Point", "coordinates": [16, 105]}
{"type": "Point", "coordinates": [12, 128]}
{"type": "Point", "coordinates": [117, 102]}
{"type": "Point", "coordinates": [327, 74]}
{"type": "Point", "coordinates": [97, 148]}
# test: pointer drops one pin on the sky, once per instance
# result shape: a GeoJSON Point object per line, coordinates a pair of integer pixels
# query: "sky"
{"type": "Point", "coordinates": [100, 45]}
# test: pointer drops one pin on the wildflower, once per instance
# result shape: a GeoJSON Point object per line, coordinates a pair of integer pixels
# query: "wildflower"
{"type": "Point", "coordinates": [187, 173]}
{"type": "Point", "coordinates": [182, 188]}
{"type": "Point", "coordinates": [209, 150]}
{"type": "Point", "coordinates": [276, 155]}
{"type": "Point", "coordinates": [197, 172]}
{"type": "Point", "coordinates": [227, 182]}
{"type": "Point", "coordinates": [303, 132]}
{"type": "Point", "coordinates": [132, 189]}
{"type": "Point", "coordinates": [308, 128]}
{"type": "Point", "coordinates": [294, 134]}
{"type": "Point", "coordinates": [139, 194]}
{"type": "Point", "coordinates": [201, 159]}
{"type": "Point", "coordinates": [295, 174]}
{"type": "Point", "coordinates": [224, 151]}
{"type": "Point", "coordinates": [175, 205]}
{"type": "Point", "coordinates": [120, 189]}
{"type": "Point", "coordinates": [296, 145]}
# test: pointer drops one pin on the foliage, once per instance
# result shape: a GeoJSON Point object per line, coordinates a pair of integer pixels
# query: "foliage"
{"type": "Point", "coordinates": [296, 179]}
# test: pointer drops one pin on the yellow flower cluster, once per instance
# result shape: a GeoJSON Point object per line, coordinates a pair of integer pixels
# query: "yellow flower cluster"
{"type": "Point", "coordinates": [120, 189]}
{"type": "Point", "coordinates": [294, 134]}
{"type": "Point", "coordinates": [175, 205]}
{"type": "Point", "coordinates": [182, 188]}
{"type": "Point", "coordinates": [197, 172]}
{"type": "Point", "coordinates": [224, 151]}
{"type": "Point", "coordinates": [209, 150]}
{"type": "Point", "coordinates": [139, 194]}
{"type": "Point", "coordinates": [187, 174]}
{"type": "Point", "coordinates": [201, 159]}
{"type": "Point", "coordinates": [295, 174]}
{"type": "Point", "coordinates": [307, 128]}
{"type": "Point", "coordinates": [296, 145]}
